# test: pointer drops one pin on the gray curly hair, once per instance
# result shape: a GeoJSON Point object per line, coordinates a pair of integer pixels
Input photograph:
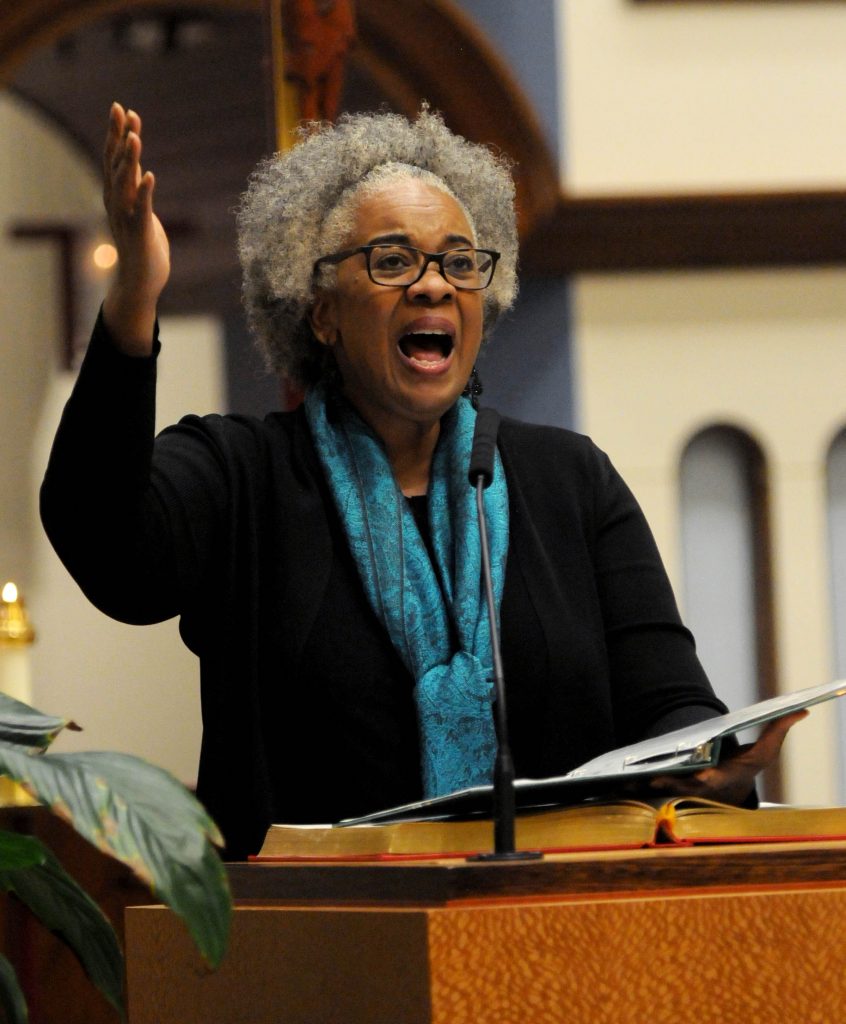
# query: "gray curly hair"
{"type": "Point", "coordinates": [299, 206]}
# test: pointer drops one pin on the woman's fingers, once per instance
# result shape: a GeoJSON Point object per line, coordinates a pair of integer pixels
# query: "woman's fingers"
{"type": "Point", "coordinates": [146, 187]}
{"type": "Point", "coordinates": [133, 122]}
{"type": "Point", "coordinates": [117, 118]}
{"type": "Point", "coordinates": [113, 140]}
{"type": "Point", "coordinates": [679, 785]}
{"type": "Point", "coordinates": [122, 174]}
{"type": "Point", "coordinates": [768, 745]}
{"type": "Point", "coordinates": [733, 778]}
{"type": "Point", "coordinates": [755, 757]}
{"type": "Point", "coordinates": [127, 172]}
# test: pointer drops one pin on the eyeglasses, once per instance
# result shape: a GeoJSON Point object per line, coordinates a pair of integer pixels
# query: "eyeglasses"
{"type": "Point", "coordinates": [403, 265]}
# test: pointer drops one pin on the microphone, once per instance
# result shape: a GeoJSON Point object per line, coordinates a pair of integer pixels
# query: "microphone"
{"type": "Point", "coordinates": [481, 473]}
{"type": "Point", "coordinates": [484, 447]}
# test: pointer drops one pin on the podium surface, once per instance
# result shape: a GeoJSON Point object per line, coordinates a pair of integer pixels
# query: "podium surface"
{"type": "Point", "coordinates": [749, 933]}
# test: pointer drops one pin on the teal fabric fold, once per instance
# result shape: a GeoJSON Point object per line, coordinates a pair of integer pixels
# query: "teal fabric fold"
{"type": "Point", "coordinates": [416, 601]}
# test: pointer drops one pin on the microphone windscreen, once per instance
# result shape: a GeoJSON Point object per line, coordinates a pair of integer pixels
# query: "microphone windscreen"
{"type": "Point", "coordinates": [484, 446]}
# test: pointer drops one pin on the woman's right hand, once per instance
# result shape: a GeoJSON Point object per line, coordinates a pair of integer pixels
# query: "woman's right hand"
{"type": "Point", "coordinates": [143, 250]}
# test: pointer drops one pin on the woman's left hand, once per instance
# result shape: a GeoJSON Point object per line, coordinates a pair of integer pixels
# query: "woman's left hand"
{"type": "Point", "coordinates": [731, 781]}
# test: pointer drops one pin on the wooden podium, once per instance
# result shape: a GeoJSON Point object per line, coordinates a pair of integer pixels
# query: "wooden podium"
{"type": "Point", "coordinates": [719, 934]}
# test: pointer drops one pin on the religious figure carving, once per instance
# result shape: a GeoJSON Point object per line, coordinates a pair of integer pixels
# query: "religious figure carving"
{"type": "Point", "coordinates": [317, 35]}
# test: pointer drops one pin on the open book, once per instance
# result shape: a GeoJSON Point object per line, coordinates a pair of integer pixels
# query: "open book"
{"type": "Point", "coordinates": [683, 751]}
{"type": "Point", "coordinates": [628, 824]}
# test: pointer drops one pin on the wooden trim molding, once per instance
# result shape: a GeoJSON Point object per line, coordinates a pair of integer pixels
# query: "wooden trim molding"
{"type": "Point", "coordinates": [666, 232]}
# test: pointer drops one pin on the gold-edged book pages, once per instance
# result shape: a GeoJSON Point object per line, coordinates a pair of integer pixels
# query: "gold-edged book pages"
{"type": "Point", "coordinates": [627, 824]}
{"type": "Point", "coordinates": [687, 821]}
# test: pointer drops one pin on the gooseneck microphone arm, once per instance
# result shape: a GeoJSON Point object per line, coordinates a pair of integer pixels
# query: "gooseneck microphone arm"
{"type": "Point", "coordinates": [481, 474]}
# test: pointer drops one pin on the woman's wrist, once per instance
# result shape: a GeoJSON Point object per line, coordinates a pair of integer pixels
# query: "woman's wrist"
{"type": "Point", "coordinates": [130, 319]}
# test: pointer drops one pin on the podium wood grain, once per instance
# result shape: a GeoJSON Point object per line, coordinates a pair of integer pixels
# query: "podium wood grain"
{"type": "Point", "coordinates": [750, 953]}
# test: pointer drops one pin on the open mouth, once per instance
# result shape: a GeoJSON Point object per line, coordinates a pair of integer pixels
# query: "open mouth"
{"type": "Point", "coordinates": [427, 350]}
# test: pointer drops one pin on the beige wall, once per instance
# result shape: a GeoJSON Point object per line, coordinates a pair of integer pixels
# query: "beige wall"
{"type": "Point", "coordinates": [659, 357]}
{"type": "Point", "coordinates": [29, 306]}
{"type": "Point", "coordinates": [702, 96]}
{"type": "Point", "coordinates": [687, 97]}
{"type": "Point", "coordinates": [133, 689]}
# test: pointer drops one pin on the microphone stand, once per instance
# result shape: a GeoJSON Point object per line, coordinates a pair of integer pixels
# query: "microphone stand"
{"type": "Point", "coordinates": [504, 807]}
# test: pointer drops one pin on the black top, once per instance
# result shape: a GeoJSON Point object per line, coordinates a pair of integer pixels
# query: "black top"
{"type": "Point", "coordinates": [308, 711]}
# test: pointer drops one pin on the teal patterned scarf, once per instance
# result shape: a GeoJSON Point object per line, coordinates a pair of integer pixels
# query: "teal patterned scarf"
{"type": "Point", "coordinates": [453, 689]}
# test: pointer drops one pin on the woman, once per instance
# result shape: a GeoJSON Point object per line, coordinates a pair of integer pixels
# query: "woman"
{"type": "Point", "coordinates": [324, 562]}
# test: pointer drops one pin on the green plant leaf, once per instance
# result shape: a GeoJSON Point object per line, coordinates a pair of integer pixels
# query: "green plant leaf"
{"type": "Point", "coordinates": [19, 852]}
{"type": "Point", "coordinates": [12, 1003]}
{"type": "Point", "coordinates": [25, 727]}
{"type": "Point", "coordinates": [142, 816]}
{"type": "Point", "coordinates": [66, 909]}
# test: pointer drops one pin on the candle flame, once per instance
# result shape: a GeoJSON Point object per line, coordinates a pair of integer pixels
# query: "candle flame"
{"type": "Point", "coordinates": [14, 622]}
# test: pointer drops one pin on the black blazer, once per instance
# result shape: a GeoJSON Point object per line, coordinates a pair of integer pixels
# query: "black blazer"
{"type": "Point", "coordinates": [228, 522]}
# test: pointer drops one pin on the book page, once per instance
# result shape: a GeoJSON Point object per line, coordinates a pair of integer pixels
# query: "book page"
{"type": "Point", "coordinates": [589, 826]}
{"type": "Point", "coordinates": [701, 821]}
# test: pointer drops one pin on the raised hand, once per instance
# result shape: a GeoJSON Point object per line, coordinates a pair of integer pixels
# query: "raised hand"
{"type": "Point", "coordinates": [143, 250]}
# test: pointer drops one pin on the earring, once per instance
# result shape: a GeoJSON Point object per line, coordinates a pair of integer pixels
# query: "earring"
{"type": "Point", "coordinates": [473, 388]}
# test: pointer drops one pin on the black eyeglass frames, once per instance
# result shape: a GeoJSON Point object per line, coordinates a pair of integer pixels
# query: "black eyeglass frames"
{"type": "Point", "coordinates": [404, 265]}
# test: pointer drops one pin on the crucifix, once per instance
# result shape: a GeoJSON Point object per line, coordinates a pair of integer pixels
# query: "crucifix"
{"type": "Point", "coordinates": [307, 43]}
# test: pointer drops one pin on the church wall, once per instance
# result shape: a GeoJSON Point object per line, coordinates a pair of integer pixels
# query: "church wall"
{"type": "Point", "coordinates": [683, 97]}
{"type": "Point", "coordinates": [29, 302]}
{"type": "Point", "coordinates": [131, 689]}
{"type": "Point", "coordinates": [702, 96]}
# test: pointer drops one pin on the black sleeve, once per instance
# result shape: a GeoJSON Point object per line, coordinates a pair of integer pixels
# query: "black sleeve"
{"type": "Point", "coordinates": [657, 681]}
{"type": "Point", "coordinates": [115, 503]}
